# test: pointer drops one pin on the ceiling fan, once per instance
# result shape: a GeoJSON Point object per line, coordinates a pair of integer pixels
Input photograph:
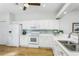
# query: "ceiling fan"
{"type": "Point", "coordinates": [25, 5]}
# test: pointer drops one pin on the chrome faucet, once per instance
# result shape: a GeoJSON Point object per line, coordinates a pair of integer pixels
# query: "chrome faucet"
{"type": "Point", "coordinates": [70, 34]}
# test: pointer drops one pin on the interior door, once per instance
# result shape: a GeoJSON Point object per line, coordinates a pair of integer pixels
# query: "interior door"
{"type": "Point", "coordinates": [3, 32]}
{"type": "Point", "coordinates": [14, 35]}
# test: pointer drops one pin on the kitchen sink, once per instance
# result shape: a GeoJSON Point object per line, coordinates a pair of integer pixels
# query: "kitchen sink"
{"type": "Point", "coordinates": [70, 45]}
{"type": "Point", "coordinates": [65, 42]}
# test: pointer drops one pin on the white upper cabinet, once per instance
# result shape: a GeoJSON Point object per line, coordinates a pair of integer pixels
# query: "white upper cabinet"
{"type": "Point", "coordinates": [49, 24]}
{"type": "Point", "coordinates": [40, 24]}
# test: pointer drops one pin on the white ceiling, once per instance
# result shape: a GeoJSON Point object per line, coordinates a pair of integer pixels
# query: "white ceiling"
{"type": "Point", "coordinates": [49, 8]}
{"type": "Point", "coordinates": [73, 7]}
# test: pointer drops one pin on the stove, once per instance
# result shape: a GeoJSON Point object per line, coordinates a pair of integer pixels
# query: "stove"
{"type": "Point", "coordinates": [33, 39]}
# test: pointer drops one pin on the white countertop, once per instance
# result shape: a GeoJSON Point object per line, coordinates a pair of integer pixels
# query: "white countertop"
{"type": "Point", "coordinates": [64, 37]}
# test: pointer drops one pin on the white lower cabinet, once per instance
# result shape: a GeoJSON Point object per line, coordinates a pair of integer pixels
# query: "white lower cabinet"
{"type": "Point", "coordinates": [45, 40]}
{"type": "Point", "coordinates": [23, 41]}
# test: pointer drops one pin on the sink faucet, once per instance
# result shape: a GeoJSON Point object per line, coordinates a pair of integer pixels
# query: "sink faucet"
{"type": "Point", "coordinates": [70, 34]}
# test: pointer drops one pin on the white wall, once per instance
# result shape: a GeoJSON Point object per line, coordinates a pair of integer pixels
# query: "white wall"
{"type": "Point", "coordinates": [33, 16]}
{"type": "Point", "coordinates": [67, 20]}
{"type": "Point", "coordinates": [11, 17]}
{"type": "Point", "coordinates": [4, 16]}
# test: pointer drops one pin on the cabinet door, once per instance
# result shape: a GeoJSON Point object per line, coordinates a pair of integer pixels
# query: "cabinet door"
{"type": "Point", "coordinates": [24, 40]}
{"type": "Point", "coordinates": [45, 40]}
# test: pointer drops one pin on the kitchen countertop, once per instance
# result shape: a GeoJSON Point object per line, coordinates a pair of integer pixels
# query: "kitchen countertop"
{"type": "Point", "coordinates": [64, 37]}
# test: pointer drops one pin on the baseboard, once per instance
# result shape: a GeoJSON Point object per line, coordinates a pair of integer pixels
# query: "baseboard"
{"type": "Point", "coordinates": [12, 45]}
{"type": "Point", "coordinates": [45, 47]}
{"type": "Point", "coordinates": [2, 44]}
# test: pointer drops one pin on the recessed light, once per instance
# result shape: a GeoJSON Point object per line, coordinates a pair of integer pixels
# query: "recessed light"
{"type": "Point", "coordinates": [44, 5]}
{"type": "Point", "coordinates": [21, 8]}
{"type": "Point", "coordinates": [65, 12]}
{"type": "Point", "coordinates": [26, 5]}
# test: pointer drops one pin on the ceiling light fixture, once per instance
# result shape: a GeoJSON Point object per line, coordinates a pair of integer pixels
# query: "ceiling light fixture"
{"type": "Point", "coordinates": [26, 5]}
{"type": "Point", "coordinates": [44, 5]}
{"type": "Point", "coordinates": [65, 12]}
{"type": "Point", "coordinates": [21, 8]}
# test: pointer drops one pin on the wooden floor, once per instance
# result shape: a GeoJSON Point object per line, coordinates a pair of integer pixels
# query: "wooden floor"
{"type": "Point", "coordinates": [21, 51]}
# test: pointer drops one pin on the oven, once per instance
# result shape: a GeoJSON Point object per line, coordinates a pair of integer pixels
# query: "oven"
{"type": "Point", "coordinates": [34, 38]}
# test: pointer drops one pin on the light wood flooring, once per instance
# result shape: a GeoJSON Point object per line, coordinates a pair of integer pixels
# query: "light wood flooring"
{"type": "Point", "coordinates": [22, 51]}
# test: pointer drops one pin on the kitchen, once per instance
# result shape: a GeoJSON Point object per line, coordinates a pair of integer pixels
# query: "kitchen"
{"type": "Point", "coordinates": [40, 26]}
